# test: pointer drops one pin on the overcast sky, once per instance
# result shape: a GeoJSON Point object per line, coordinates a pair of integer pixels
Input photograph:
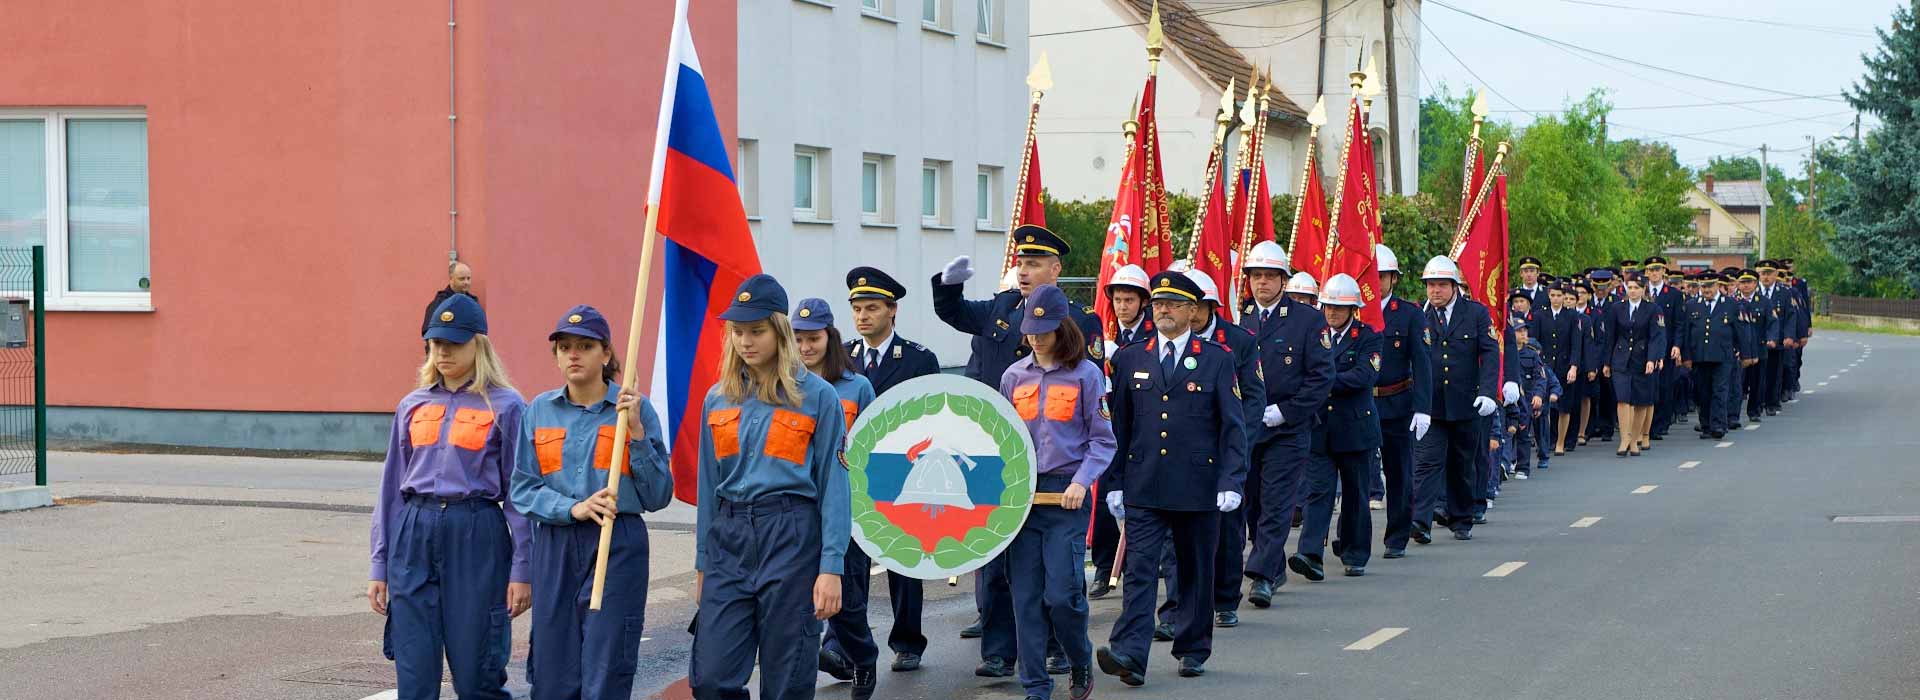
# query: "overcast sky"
{"type": "Point", "coordinates": [1819, 55]}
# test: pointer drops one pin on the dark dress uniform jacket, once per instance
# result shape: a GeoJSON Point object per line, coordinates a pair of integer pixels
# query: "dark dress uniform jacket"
{"type": "Point", "coordinates": [1712, 335]}
{"type": "Point", "coordinates": [1673, 305]}
{"type": "Point", "coordinates": [1782, 313]}
{"type": "Point", "coordinates": [1562, 339]}
{"type": "Point", "coordinates": [1246, 366]}
{"type": "Point", "coordinates": [995, 327]}
{"type": "Point", "coordinates": [1351, 423]}
{"type": "Point", "coordinates": [1634, 338]}
{"type": "Point", "coordinates": [1466, 359]}
{"type": "Point", "coordinates": [902, 361]}
{"type": "Point", "coordinates": [1296, 359]}
{"type": "Point", "coordinates": [1405, 384]}
{"type": "Point", "coordinates": [1182, 437]}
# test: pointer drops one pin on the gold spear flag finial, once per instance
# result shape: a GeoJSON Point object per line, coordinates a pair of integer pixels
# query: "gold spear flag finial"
{"type": "Point", "coordinates": [1132, 124]}
{"type": "Point", "coordinates": [1226, 100]}
{"type": "Point", "coordinates": [1374, 85]}
{"type": "Point", "coordinates": [1480, 105]}
{"type": "Point", "coordinates": [1155, 39]}
{"type": "Point", "coordinates": [1041, 79]}
{"type": "Point", "coordinates": [1318, 117]}
{"type": "Point", "coordinates": [1250, 110]}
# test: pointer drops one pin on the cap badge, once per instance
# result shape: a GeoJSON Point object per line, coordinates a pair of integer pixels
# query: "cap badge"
{"type": "Point", "coordinates": [804, 313]}
{"type": "Point", "coordinates": [1038, 312]}
{"type": "Point", "coordinates": [446, 316]}
{"type": "Point", "coordinates": [574, 318]}
{"type": "Point", "coordinates": [745, 296]}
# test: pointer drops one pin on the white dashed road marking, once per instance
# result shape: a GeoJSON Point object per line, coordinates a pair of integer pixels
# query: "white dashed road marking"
{"type": "Point", "coordinates": [1503, 570]}
{"type": "Point", "coordinates": [1373, 641]}
{"type": "Point", "coordinates": [1585, 522]}
{"type": "Point", "coordinates": [1756, 426]}
{"type": "Point", "coordinates": [1868, 519]}
{"type": "Point", "coordinates": [1724, 444]}
{"type": "Point", "coordinates": [1646, 489]}
{"type": "Point", "coordinates": [1690, 464]}
{"type": "Point", "coordinates": [383, 695]}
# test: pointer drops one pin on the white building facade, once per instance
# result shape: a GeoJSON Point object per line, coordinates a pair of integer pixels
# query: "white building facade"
{"type": "Point", "coordinates": [883, 133]}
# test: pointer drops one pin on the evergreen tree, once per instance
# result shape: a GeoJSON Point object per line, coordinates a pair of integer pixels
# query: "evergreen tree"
{"type": "Point", "coordinates": [1876, 214]}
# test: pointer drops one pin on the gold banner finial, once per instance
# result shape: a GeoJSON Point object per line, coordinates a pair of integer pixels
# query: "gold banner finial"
{"type": "Point", "coordinates": [1155, 39]}
{"type": "Point", "coordinates": [1480, 110]}
{"type": "Point", "coordinates": [1225, 114]}
{"type": "Point", "coordinates": [1041, 78]}
{"type": "Point", "coordinates": [1318, 117]}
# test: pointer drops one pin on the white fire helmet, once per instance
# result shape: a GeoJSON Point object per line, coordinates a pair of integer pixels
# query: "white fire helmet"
{"type": "Point", "coordinates": [1442, 267]}
{"type": "Point", "coordinates": [1266, 255]}
{"type": "Point", "coordinates": [1341, 290]}
{"type": "Point", "coordinates": [1208, 289]}
{"type": "Point", "coordinates": [1302, 283]}
{"type": "Point", "coordinates": [1128, 276]}
{"type": "Point", "coordinates": [1385, 260]}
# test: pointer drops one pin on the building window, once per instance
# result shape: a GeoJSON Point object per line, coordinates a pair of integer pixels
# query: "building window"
{"type": "Point", "coordinates": [76, 182]}
{"type": "Point", "coordinates": [935, 14]}
{"type": "Point", "coordinates": [876, 189]}
{"type": "Point", "coordinates": [811, 176]}
{"type": "Point", "coordinates": [987, 20]}
{"type": "Point", "coordinates": [876, 7]}
{"type": "Point", "coordinates": [746, 175]}
{"type": "Point", "coordinates": [986, 196]}
{"type": "Point", "coordinates": [934, 208]}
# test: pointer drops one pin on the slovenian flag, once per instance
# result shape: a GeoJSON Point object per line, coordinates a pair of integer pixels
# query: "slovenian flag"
{"type": "Point", "coordinates": [707, 246]}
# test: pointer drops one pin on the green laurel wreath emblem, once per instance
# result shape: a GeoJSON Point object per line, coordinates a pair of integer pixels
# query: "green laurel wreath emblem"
{"type": "Point", "coordinates": [895, 543]}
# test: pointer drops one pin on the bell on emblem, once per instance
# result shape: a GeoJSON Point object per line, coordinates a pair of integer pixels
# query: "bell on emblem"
{"type": "Point", "coordinates": [936, 480]}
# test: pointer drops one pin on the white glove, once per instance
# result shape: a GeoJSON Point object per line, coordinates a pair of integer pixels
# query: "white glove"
{"type": "Point", "coordinates": [1421, 422]}
{"type": "Point", "coordinates": [1509, 394]}
{"type": "Point", "coordinates": [1485, 405]}
{"type": "Point", "coordinates": [1114, 505]}
{"type": "Point", "coordinates": [1227, 501]}
{"type": "Point", "coordinates": [1271, 417]}
{"type": "Point", "coordinates": [958, 271]}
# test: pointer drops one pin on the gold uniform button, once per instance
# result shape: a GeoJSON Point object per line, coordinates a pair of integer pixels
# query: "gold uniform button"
{"type": "Point", "coordinates": [1163, 416]}
{"type": "Point", "coordinates": [1163, 433]}
{"type": "Point", "coordinates": [1163, 450]}
{"type": "Point", "coordinates": [1163, 397]}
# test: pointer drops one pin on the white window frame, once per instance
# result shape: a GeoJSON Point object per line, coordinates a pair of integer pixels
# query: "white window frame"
{"type": "Point", "coordinates": [991, 18]}
{"type": "Point", "coordinates": [58, 296]}
{"type": "Point", "coordinates": [883, 187]}
{"type": "Point", "coordinates": [942, 194]}
{"type": "Point", "coordinates": [746, 174]}
{"type": "Point", "coordinates": [810, 213]}
{"type": "Point", "coordinates": [941, 13]}
{"type": "Point", "coordinates": [991, 202]}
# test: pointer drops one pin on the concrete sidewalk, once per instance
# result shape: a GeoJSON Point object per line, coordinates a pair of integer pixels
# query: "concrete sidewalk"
{"type": "Point", "coordinates": [315, 484]}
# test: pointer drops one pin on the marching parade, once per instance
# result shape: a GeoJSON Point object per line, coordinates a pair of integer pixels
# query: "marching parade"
{"type": "Point", "coordinates": [1206, 411]}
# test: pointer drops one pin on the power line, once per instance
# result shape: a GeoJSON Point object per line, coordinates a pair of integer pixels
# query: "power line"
{"type": "Point", "coordinates": [1670, 134]}
{"type": "Point", "coordinates": [1169, 15]}
{"type": "Point", "coordinates": [1308, 32]}
{"type": "Point", "coordinates": [1621, 59]}
{"type": "Point", "coordinates": [1757, 126]}
{"type": "Point", "coordinates": [1787, 25]}
{"type": "Point", "coordinates": [1735, 103]}
{"type": "Point", "coordinates": [1463, 64]}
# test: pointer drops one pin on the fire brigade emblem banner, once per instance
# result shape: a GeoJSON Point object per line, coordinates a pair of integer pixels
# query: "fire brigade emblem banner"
{"type": "Point", "coordinates": [942, 473]}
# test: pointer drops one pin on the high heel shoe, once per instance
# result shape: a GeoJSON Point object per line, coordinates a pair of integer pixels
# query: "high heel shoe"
{"type": "Point", "coordinates": [1635, 453]}
{"type": "Point", "coordinates": [1621, 453]}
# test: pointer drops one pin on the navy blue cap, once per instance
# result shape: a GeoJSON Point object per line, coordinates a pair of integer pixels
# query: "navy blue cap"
{"type": "Point", "coordinates": [812, 314]}
{"type": "Point", "coordinates": [1177, 287]}
{"type": "Point", "coordinates": [456, 320]}
{"type": "Point", "coordinates": [1046, 307]}
{"type": "Point", "coordinates": [1519, 293]}
{"type": "Point", "coordinates": [1529, 261]}
{"type": "Point", "coordinates": [1031, 240]}
{"type": "Point", "coordinates": [758, 297]}
{"type": "Point", "coordinates": [1653, 261]}
{"type": "Point", "coordinates": [584, 321]}
{"type": "Point", "coordinates": [871, 283]}
{"type": "Point", "coordinates": [1601, 274]}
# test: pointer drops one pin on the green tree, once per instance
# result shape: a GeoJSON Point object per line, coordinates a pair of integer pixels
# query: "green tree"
{"type": "Point", "coordinates": [1876, 214]}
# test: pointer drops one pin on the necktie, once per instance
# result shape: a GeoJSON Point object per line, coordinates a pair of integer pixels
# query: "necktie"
{"type": "Point", "coordinates": [873, 358]}
{"type": "Point", "coordinates": [1439, 318]}
{"type": "Point", "coordinates": [1126, 336]}
{"type": "Point", "coordinates": [1265, 315]}
{"type": "Point", "coordinates": [1166, 362]}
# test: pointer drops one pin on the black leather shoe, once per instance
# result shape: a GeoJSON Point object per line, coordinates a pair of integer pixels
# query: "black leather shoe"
{"type": "Point", "coordinates": [1116, 664]}
{"type": "Point", "coordinates": [1773, 412]}
{"type": "Point", "coordinates": [833, 664]}
{"type": "Point", "coordinates": [1192, 667]}
{"type": "Point", "coordinates": [1099, 588]}
{"type": "Point", "coordinates": [1058, 666]}
{"type": "Point", "coordinates": [1422, 533]}
{"type": "Point", "coordinates": [1261, 596]}
{"type": "Point", "coordinates": [906, 661]}
{"type": "Point", "coordinates": [1080, 684]}
{"type": "Point", "coordinates": [863, 682]}
{"type": "Point", "coordinates": [994, 667]}
{"type": "Point", "coordinates": [1395, 554]}
{"type": "Point", "coordinates": [1442, 519]}
{"type": "Point", "coordinates": [1163, 632]}
{"type": "Point", "coordinates": [1337, 547]}
{"type": "Point", "coordinates": [1356, 571]}
{"type": "Point", "coordinates": [1704, 435]}
{"type": "Point", "coordinates": [971, 631]}
{"type": "Point", "coordinates": [1463, 535]}
{"type": "Point", "coordinates": [1304, 566]}
{"type": "Point", "coordinates": [1480, 520]}
{"type": "Point", "coordinates": [1226, 618]}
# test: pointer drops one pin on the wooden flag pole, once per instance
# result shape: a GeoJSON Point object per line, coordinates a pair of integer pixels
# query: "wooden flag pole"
{"type": "Point", "coordinates": [1215, 165]}
{"type": "Point", "coordinates": [1359, 81]}
{"type": "Point", "coordinates": [1040, 80]}
{"type": "Point", "coordinates": [627, 380]}
{"type": "Point", "coordinates": [1315, 119]}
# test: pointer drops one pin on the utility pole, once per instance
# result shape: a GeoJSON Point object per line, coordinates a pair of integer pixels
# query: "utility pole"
{"type": "Point", "coordinates": [1393, 106]}
{"type": "Point", "coordinates": [1320, 83]}
{"type": "Point", "coordinates": [1763, 201]}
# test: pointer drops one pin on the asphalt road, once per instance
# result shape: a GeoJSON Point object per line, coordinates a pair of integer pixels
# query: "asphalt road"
{"type": "Point", "coordinates": [1729, 578]}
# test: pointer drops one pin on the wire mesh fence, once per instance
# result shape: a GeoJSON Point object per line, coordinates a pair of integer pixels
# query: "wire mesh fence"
{"type": "Point", "coordinates": [22, 364]}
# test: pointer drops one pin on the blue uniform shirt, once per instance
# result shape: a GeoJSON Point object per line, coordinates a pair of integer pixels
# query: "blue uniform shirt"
{"type": "Point", "coordinates": [995, 327]}
{"type": "Point", "coordinates": [751, 450]}
{"type": "Point", "coordinates": [1405, 384]}
{"type": "Point", "coordinates": [855, 393]}
{"type": "Point", "coordinates": [1712, 333]}
{"type": "Point", "coordinates": [1296, 362]}
{"type": "Point", "coordinates": [1065, 412]}
{"type": "Point", "coordinates": [1181, 437]}
{"type": "Point", "coordinates": [566, 448]}
{"type": "Point", "coordinates": [1466, 360]}
{"type": "Point", "coordinates": [1350, 424]}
